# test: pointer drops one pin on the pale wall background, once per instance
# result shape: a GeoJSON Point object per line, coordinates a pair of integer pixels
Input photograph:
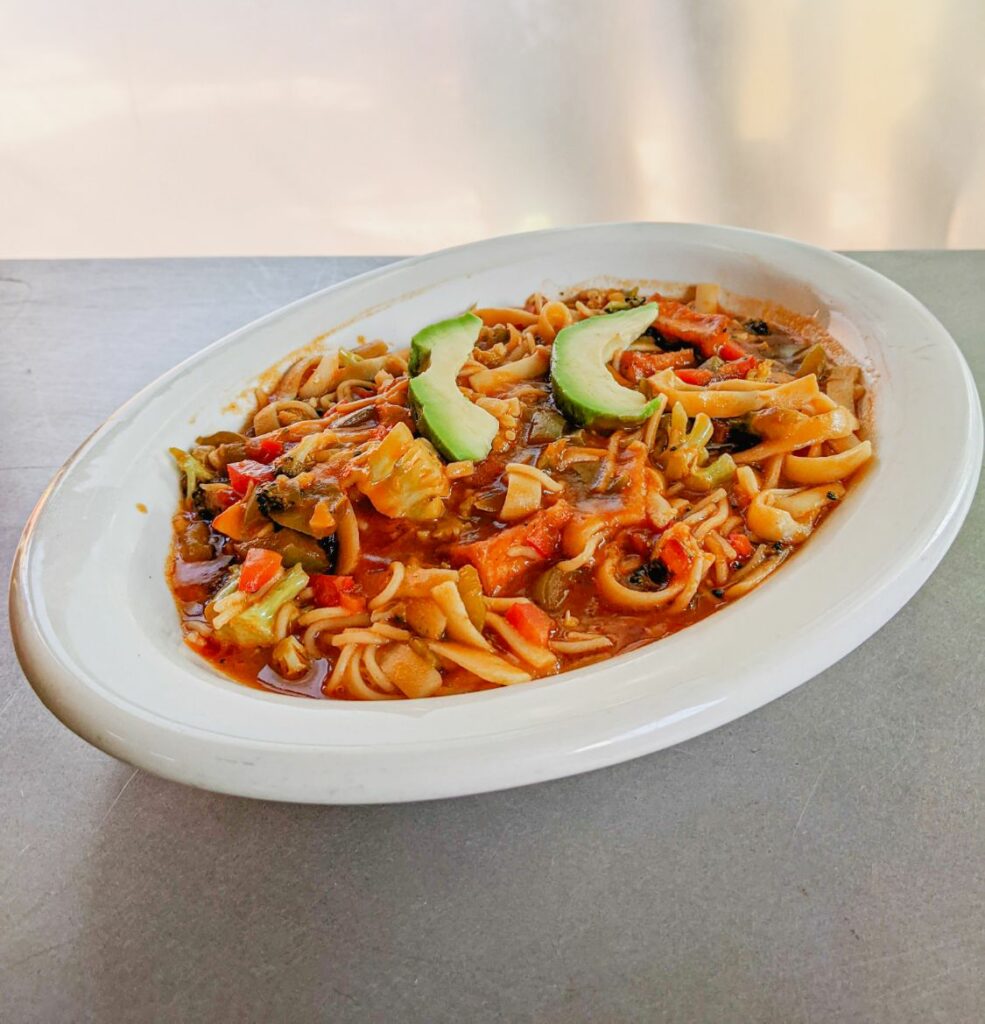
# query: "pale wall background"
{"type": "Point", "coordinates": [175, 127]}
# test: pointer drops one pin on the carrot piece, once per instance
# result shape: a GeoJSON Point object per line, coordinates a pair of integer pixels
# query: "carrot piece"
{"type": "Point", "coordinates": [322, 519]}
{"type": "Point", "coordinates": [232, 522]}
{"type": "Point", "coordinates": [531, 622]}
{"type": "Point", "coordinates": [492, 559]}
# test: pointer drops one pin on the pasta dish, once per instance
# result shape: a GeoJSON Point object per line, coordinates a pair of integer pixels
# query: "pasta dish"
{"type": "Point", "coordinates": [517, 492]}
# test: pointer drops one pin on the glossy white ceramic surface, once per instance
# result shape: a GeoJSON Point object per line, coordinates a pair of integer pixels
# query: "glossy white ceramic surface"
{"type": "Point", "coordinates": [97, 634]}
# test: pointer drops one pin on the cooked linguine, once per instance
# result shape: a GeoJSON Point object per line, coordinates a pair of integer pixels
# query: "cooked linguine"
{"type": "Point", "coordinates": [520, 492]}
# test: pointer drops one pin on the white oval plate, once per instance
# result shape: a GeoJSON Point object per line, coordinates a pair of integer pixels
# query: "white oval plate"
{"type": "Point", "coordinates": [97, 633]}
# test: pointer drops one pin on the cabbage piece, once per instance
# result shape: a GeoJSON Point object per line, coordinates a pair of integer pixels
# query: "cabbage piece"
{"type": "Point", "coordinates": [715, 474]}
{"type": "Point", "coordinates": [405, 477]}
{"type": "Point", "coordinates": [686, 449]}
{"type": "Point", "coordinates": [254, 627]}
{"type": "Point", "coordinates": [193, 471]}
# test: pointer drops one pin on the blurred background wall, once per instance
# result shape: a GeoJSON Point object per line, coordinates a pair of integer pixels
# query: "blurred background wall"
{"type": "Point", "coordinates": [185, 127]}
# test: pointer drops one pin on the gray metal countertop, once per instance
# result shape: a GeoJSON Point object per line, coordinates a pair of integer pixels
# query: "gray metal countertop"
{"type": "Point", "coordinates": [821, 860]}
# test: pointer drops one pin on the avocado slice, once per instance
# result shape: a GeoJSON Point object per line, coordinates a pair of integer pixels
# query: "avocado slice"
{"type": "Point", "coordinates": [458, 428]}
{"type": "Point", "coordinates": [584, 390]}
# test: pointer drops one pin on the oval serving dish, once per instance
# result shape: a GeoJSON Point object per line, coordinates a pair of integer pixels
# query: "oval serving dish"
{"type": "Point", "coordinates": [97, 634]}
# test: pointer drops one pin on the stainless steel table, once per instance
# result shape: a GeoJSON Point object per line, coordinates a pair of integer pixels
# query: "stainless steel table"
{"type": "Point", "coordinates": [821, 860]}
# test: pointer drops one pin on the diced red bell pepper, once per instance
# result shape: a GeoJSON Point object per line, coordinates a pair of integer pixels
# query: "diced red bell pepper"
{"type": "Point", "coordinates": [264, 449]}
{"type": "Point", "coordinates": [737, 369]}
{"type": "Point", "coordinates": [700, 377]}
{"type": "Point", "coordinates": [729, 350]}
{"type": "Point", "coordinates": [637, 366]}
{"type": "Point", "coordinates": [706, 330]}
{"type": "Point", "coordinates": [674, 555]}
{"type": "Point", "coordinates": [242, 474]}
{"type": "Point", "coordinates": [531, 622]}
{"type": "Point", "coordinates": [259, 568]}
{"type": "Point", "coordinates": [329, 590]}
{"type": "Point", "coordinates": [741, 543]}
{"type": "Point", "coordinates": [225, 498]}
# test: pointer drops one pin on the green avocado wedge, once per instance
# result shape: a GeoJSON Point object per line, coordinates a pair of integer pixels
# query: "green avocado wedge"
{"type": "Point", "coordinates": [583, 388]}
{"type": "Point", "coordinates": [458, 428]}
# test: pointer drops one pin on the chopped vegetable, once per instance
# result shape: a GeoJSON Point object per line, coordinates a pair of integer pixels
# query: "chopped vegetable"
{"type": "Point", "coordinates": [542, 536]}
{"type": "Point", "coordinates": [217, 498]}
{"type": "Point", "coordinates": [264, 449]}
{"type": "Point", "coordinates": [760, 327]}
{"type": "Point", "coordinates": [706, 330]}
{"type": "Point", "coordinates": [741, 543]}
{"type": "Point", "coordinates": [328, 590]}
{"type": "Point", "coordinates": [675, 557]}
{"type": "Point", "coordinates": [706, 297]}
{"type": "Point", "coordinates": [259, 567]}
{"type": "Point", "coordinates": [815, 361]}
{"type": "Point", "coordinates": [637, 366]}
{"type": "Point", "coordinates": [841, 385]}
{"type": "Point", "coordinates": [294, 501]}
{"type": "Point", "coordinates": [470, 590]}
{"type": "Point", "coordinates": [231, 522]}
{"type": "Point", "coordinates": [715, 474]}
{"type": "Point", "coordinates": [290, 658]}
{"type": "Point", "coordinates": [551, 588]}
{"type": "Point", "coordinates": [193, 538]}
{"type": "Point", "coordinates": [546, 424]}
{"type": "Point", "coordinates": [678, 549]}
{"type": "Point", "coordinates": [300, 457]}
{"type": "Point", "coordinates": [194, 471]}
{"type": "Point", "coordinates": [507, 554]}
{"type": "Point", "coordinates": [298, 549]}
{"type": "Point", "coordinates": [531, 622]}
{"type": "Point", "coordinates": [322, 521]}
{"type": "Point", "coordinates": [729, 350]}
{"type": "Point", "coordinates": [249, 471]}
{"type": "Point", "coordinates": [405, 478]}
{"type": "Point", "coordinates": [687, 449]}
{"type": "Point", "coordinates": [700, 377]}
{"type": "Point", "coordinates": [254, 627]}
{"type": "Point", "coordinates": [737, 368]}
